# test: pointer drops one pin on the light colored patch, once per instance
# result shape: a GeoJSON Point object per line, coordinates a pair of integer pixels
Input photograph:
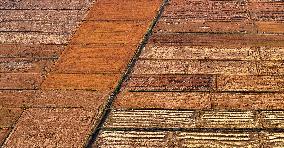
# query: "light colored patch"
{"type": "Point", "coordinates": [32, 38]}
{"type": "Point", "coordinates": [188, 52]}
{"type": "Point", "coordinates": [227, 119]}
{"type": "Point", "coordinates": [150, 119]}
{"type": "Point", "coordinates": [273, 119]}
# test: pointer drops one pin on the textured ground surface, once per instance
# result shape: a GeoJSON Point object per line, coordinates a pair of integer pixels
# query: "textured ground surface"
{"type": "Point", "coordinates": [209, 75]}
{"type": "Point", "coordinates": [59, 62]}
